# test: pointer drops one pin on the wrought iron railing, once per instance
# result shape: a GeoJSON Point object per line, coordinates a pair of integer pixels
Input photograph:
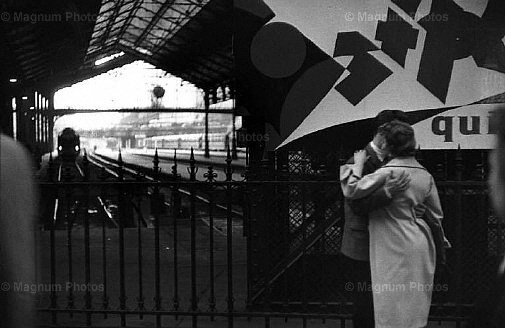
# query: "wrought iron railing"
{"type": "Point", "coordinates": [265, 247]}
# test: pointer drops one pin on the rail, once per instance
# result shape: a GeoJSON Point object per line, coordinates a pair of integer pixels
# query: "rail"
{"type": "Point", "coordinates": [104, 161]}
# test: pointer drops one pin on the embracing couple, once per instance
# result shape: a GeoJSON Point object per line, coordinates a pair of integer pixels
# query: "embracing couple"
{"type": "Point", "coordinates": [393, 237]}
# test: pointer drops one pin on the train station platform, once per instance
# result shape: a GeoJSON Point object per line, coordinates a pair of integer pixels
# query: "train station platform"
{"type": "Point", "coordinates": [215, 156]}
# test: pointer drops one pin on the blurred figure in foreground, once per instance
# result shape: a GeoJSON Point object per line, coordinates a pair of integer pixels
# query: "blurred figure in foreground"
{"type": "Point", "coordinates": [496, 180]}
{"type": "Point", "coordinates": [17, 213]}
{"type": "Point", "coordinates": [490, 309]}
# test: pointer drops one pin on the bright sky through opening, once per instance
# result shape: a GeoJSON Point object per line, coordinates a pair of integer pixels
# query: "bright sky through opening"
{"type": "Point", "coordinates": [130, 86]}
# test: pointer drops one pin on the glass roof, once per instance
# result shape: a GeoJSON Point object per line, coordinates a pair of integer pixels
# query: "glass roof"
{"type": "Point", "coordinates": [142, 26]}
{"type": "Point", "coordinates": [188, 38]}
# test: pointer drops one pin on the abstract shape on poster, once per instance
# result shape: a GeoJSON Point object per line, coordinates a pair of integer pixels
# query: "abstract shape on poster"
{"type": "Point", "coordinates": [408, 6]}
{"type": "Point", "coordinates": [278, 50]}
{"type": "Point", "coordinates": [366, 74]}
{"type": "Point", "coordinates": [397, 37]}
{"type": "Point", "coordinates": [460, 36]}
{"type": "Point", "coordinates": [352, 43]}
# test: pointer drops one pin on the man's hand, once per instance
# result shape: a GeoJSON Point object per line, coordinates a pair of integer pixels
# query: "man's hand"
{"type": "Point", "coordinates": [419, 210]}
{"type": "Point", "coordinates": [360, 157]}
{"type": "Point", "coordinates": [395, 185]}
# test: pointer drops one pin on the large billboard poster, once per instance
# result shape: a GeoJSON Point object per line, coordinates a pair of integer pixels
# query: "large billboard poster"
{"type": "Point", "coordinates": [336, 61]}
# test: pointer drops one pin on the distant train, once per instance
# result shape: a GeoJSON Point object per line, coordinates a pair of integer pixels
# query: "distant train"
{"type": "Point", "coordinates": [185, 141]}
{"type": "Point", "coordinates": [69, 145]}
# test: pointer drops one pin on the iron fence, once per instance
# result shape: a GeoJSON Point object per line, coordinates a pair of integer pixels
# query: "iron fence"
{"type": "Point", "coordinates": [125, 249]}
{"type": "Point", "coordinates": [476, 234]}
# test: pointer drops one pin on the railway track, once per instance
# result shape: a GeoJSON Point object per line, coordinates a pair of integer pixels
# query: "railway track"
{"type": "Point", "coordinates": [204, 200]}
{"type": "Point", "coordinates": [59, 177]}
{"type": "Point", "coordinates": [73, 171]}
{"type": "Point", "coordinates": [113, 168]}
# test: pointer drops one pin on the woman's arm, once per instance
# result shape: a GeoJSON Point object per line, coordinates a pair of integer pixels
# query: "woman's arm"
{"type": "Point", "coordinates": [382, 196]}
{"type": "Point", "coordinates": [356, 187]}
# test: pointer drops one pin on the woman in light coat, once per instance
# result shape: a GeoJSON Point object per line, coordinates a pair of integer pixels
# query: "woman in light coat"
{"type": "Point", "coordinates": [402, 248]}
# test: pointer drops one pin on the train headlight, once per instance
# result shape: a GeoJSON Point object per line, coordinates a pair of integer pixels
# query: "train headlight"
{"type": "Point", "coordinates": [76, 148]}
{"type": "Point", "coordinates": [60, 148]}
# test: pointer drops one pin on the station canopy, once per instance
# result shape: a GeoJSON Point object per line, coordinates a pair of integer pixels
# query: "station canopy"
{"type": "Point", "coordinates": [42, 43]}
{"type": "Point", "coordinates": [51, 44]}
{"type": "Point", "coordinates": [188, 38]}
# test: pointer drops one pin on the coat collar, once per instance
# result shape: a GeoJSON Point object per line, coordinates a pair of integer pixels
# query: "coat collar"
{"type": "Point", "coordinates": [409, 161]}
